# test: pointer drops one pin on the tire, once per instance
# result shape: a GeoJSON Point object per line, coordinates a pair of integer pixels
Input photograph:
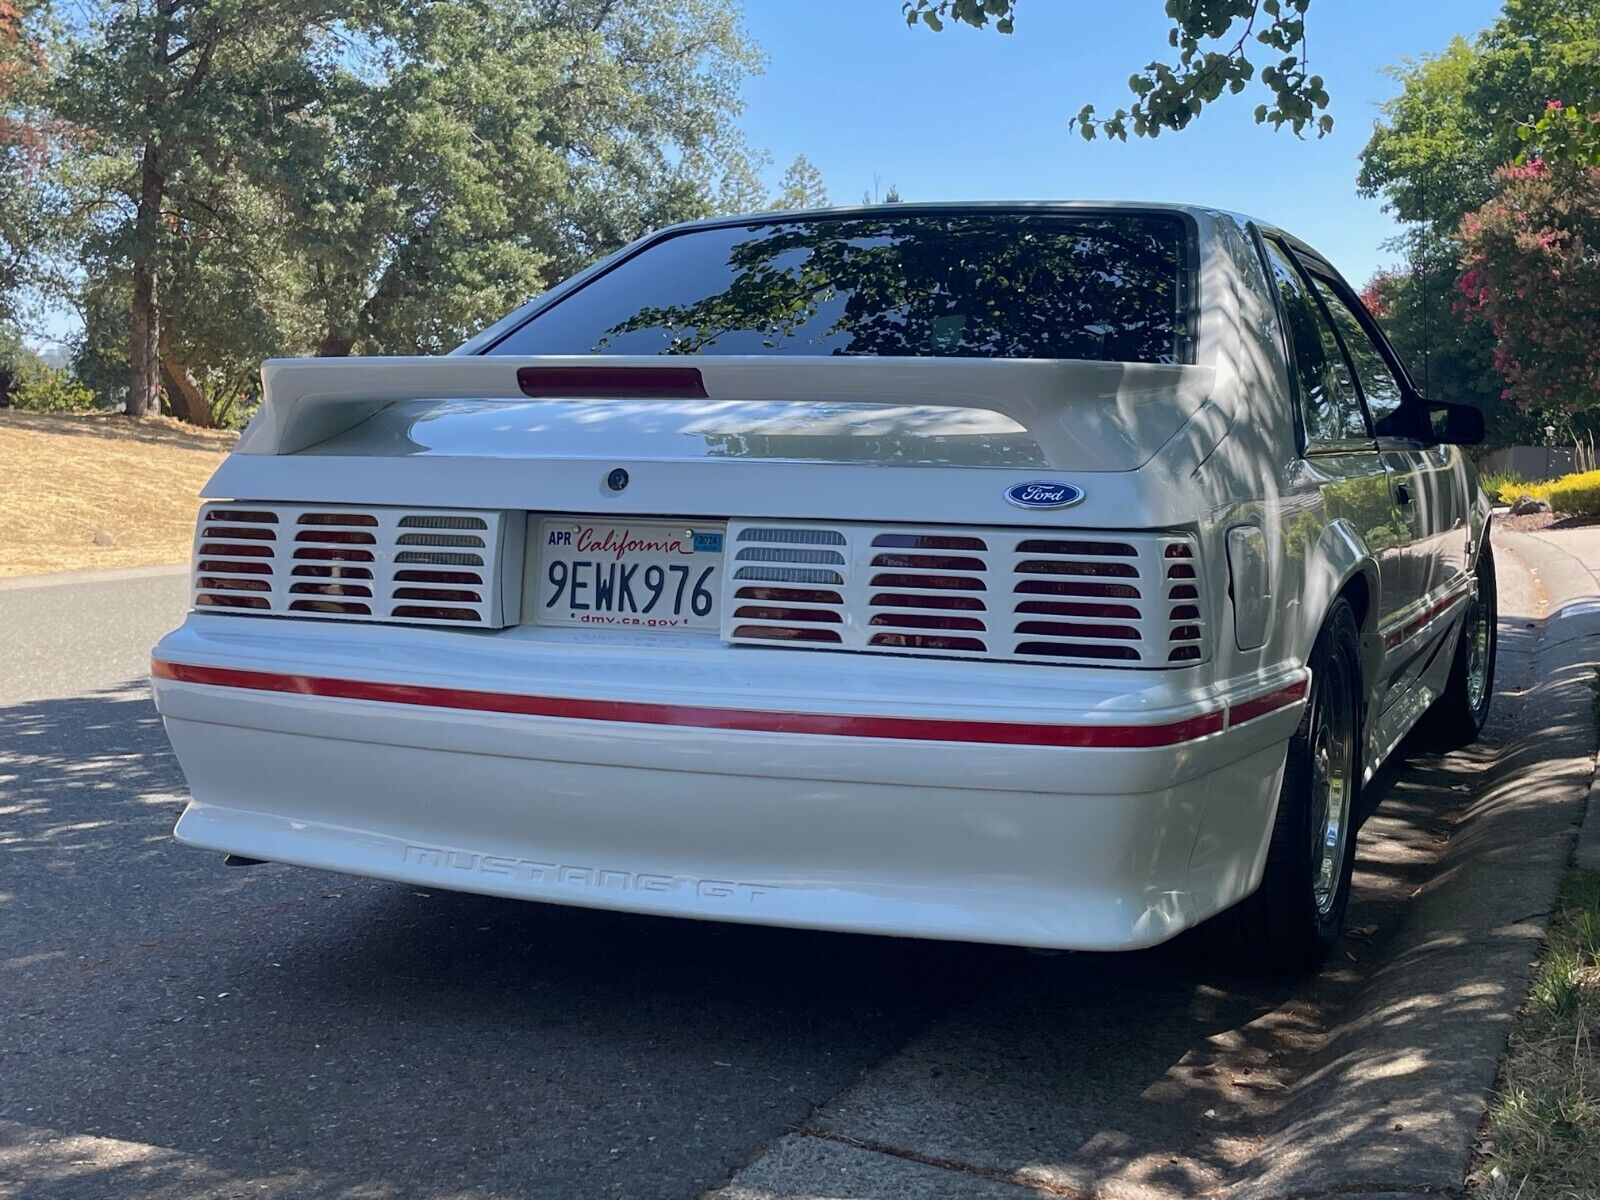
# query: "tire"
{"type": "Point", "coordinates": [1291, 922]}
{"type": "Point", "coordinates": [1458, 716]}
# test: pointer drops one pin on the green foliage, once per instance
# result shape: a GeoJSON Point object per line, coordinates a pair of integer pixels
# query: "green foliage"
{"type": "Point", "coordinates": [184, 105]}
{"type": "Point", "coordinates": [1577, 494]}
{"type": "Point", "coordinates": [53, 390]}
{"type": "Point", "coordinates": [27, 140]}
{"type": "Point", "coordinates": [1433, 151]}
{"type": "Point", "coordinates": [1542, 1132]}
{"type": "Point", "coordinates": [1531, 260]}
{"type": "Point", "coordinates": [494, 147]}
{"type": "Point", "coordinates": [1562, 133]}
{"type": "Point", "coordinates": [1433, 158]}
{"type": "Point", "coordinates": [1507, 487]}
{"type": "Point", "coordinates": [375, 175]}
{"type": "Point", "coordinates": [1462, 114]}
{"type": "Point", "coordinates": [801, 186]}
{"type": "Point", "coordinates": [1217, 44]}
{"type": "Point", "coordinates": [33, 385]}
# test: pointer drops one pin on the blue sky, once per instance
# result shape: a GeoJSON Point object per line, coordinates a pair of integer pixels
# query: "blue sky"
{"type": "Point", "coordinates": [970, 115]}
{"type": "Point", "coordinates": [975, 115]}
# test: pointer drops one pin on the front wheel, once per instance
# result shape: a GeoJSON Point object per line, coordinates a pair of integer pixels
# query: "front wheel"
{"type": "Point", "coordinates": [1458, 716]}
{"type": "Point", "coordinates": [1291, 922]}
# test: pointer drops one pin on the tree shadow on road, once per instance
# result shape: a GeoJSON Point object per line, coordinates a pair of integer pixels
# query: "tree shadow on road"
{"type": "Point", "coordinates": [177, 1027]}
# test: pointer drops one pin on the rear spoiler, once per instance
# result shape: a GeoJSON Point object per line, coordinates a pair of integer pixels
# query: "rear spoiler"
{"type": "Point", "coordinates": [1113, 414]}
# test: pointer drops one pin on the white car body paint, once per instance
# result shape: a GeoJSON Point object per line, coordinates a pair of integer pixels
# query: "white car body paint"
{"type": "Point", "coordinates": [1023, 802]}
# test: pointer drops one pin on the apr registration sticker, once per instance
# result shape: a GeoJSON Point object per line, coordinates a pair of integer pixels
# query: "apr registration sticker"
{"type": "Point", "coordinates": [627, 575]}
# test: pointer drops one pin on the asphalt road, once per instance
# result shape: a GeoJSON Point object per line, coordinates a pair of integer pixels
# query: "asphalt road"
{"type": "Point", "coordinates": [93, 631]}
{"type": "Point", "coordinates": [173, 1027]}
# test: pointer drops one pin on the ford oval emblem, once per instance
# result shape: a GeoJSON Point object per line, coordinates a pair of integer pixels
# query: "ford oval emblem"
{"type": "Point", "coordinates": [1044, 493]}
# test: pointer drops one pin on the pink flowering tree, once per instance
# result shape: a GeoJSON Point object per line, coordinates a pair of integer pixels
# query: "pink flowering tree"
{"type": "Point", "coordinates": [1531, 265]}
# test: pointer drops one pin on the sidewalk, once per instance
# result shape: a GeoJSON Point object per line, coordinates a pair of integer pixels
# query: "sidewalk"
{"type": "Point", "coordinates": [1581, 542]}
{"type": "Point", "coordinates": [1574, 550]}
{"type": "Point", "coordinates": [1083, 1076]}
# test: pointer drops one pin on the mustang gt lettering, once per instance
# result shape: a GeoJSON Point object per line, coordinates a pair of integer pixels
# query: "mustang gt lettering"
{"type": "Point", "coordinates": [1052, 575]}
{"type": "Point", "coordinates": [555, 874]}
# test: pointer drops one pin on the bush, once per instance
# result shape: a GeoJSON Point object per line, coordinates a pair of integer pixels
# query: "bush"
{"type": "Point", "coordinates": [1531, 272]}
{"type": "Point", "coordinates": [49, 389]}
{"type": "Point", "coordinates": [1577, 494]}
{"type": "Point", "coordinates": [1507, 487]}
{"type": "Point", "coordinates": [33, 384]}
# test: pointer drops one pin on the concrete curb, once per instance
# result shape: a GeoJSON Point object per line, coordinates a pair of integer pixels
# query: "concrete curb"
{"type": "Point", "coordinates": [1404, 1078]}
{"type": "Point", "coordinates": [1555, 565]}
{"type": "Point", "coordinates": [17, 583]}
{"type": "Point", "coordinates": [1586, 854]}
{"type": "Point", "coordinates": [1375, 1080]}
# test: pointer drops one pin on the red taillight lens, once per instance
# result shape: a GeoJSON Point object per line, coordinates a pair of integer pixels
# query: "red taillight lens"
{"type": "Point", "coordinates": [926, 621]}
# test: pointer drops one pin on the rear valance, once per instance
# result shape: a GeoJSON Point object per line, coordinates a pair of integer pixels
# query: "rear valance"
{"type": "Point", "coordinates": [1083, 415]}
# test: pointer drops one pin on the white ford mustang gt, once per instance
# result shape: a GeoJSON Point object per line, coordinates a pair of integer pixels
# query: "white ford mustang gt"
{"type": "Point", "coordinates": [1047, 574]}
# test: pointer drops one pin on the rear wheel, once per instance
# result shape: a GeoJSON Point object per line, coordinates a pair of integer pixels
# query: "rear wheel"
{"type": "Point", "coordinates": [1291, 922]}
{"type": "Point", "coordinates": [1462, 709]}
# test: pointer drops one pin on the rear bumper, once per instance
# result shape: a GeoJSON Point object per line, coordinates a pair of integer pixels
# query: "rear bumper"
{"type": "Point", "coordinates": [975, 801]}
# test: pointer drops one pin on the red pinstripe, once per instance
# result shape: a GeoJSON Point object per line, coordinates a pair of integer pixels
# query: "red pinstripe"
{"type": "Point", "coordinates": [755, 720]}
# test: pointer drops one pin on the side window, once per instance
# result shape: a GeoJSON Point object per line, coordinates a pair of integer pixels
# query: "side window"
{"type": "Point", "coordinates": [1327, 395]}
{"type": "Point", "coordinates": [1378, 383]}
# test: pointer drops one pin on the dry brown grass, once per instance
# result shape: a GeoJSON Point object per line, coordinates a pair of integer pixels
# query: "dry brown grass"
{"type": "Point", "coordinates": [65, 478]}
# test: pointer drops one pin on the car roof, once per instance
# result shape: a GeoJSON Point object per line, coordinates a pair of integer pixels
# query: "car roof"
{"type": "Point", "coordinates": [902, 208]}
{"type": "Point", "coordinates": [945, 206]}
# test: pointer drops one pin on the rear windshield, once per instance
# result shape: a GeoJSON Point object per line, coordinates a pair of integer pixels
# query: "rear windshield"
{"type": "Point", "coordinates": [1112, 287]}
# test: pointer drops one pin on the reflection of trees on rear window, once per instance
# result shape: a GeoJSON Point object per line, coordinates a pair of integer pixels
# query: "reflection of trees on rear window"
{"type": "Point", "coordinates": [1109, 287]}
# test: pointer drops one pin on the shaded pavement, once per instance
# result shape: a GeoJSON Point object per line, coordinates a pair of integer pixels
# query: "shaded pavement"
{"type": "Point", "coordinates": [173, 1027]}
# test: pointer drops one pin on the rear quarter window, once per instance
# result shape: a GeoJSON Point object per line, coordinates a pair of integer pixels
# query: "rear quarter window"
{"type": "Point", "coordinates": [1113, 287]}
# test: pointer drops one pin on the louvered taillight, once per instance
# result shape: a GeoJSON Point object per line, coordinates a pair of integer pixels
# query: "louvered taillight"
{"type": "Point", "coordinates": [786, 584]}
{"type": "Point", "coordinates": [414, 566]}
{"type": "Point", "coordinates": [1100, 599]}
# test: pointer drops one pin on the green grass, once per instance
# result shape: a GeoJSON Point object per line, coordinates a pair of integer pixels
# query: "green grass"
{"type": "Point", "coordinates": [1542, 1136]}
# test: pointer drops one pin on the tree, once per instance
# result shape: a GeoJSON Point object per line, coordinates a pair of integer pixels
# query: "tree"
{"type": "Point", "coordinates": [324, 176]}
{"type": "Point", "coordinates": [179, 99]}
{"type": "Point", "coordinates": [26, 137]}
{"type": "Point", "coordinates": [1452, 359]}
{"type": "Point", "coordinates": [801, 186]}
{"type": "Point", "coordinates": [1216, 43]}
{"type": "Point", "coordinates": [877, 195]}
{"type": "Point", "coordinates": [1532, 273]}
{"type": "Point", "coordinates": [1433, 157]}
{"type": "Point", "coordinates": [1434, 152]}
{"type": "Point", "coordinates": [489, 148]}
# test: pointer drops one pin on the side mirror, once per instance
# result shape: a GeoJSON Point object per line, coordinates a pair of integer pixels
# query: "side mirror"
{"type": "Point", "coordinates": [1455, 424]}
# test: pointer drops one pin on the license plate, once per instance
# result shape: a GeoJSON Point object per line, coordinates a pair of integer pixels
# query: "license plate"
{"type": "Point", "coordinates": [628, 574]}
